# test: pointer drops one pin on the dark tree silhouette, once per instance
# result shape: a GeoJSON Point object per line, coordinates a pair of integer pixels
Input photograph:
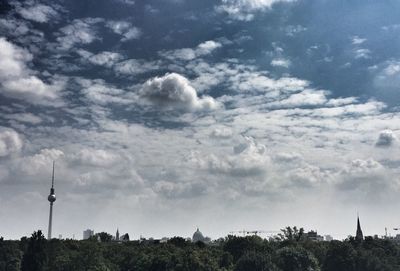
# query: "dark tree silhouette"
{"type": "Point", "coordinates": [35, 257]}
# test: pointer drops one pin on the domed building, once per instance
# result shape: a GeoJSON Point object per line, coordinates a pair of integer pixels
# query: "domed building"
{"type": "Point", "coordinates": [198, 236]}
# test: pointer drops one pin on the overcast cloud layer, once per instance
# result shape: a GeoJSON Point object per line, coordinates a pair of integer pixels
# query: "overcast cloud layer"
{"type": "Point", "coordinates": [165, 115]}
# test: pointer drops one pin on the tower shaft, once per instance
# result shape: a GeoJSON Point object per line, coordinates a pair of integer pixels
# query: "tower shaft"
{"type": "Point", "coordinates": [50, 221]}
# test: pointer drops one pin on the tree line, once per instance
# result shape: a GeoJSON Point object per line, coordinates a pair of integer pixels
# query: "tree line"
{"type": "Point", "coordinates": [289, 251]}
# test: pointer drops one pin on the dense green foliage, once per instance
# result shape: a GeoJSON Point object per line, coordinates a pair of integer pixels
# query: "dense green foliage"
{"type": "Point", "coordinates": [291, 251]}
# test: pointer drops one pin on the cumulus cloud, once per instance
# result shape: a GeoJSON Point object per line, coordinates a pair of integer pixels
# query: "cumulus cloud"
{"type": "Point", "coordinates": [369, 178]}
{"type": "Point", "coordinates": [248, 159]}
{"type": "Point", "coordinates": [37, 12]}
{"type": "Point", "coordinates": [125, 29]}
{"type": "Point", "coordinates": [93, 157]}
{"type": "Point", "coordinates": [174, 91]}
{"type": "Point", "coordinates": [307, 176]}
{"type": "Point", "coordinates": [18, 80]}
{"type": "Point", "coordinates": [10, 142]}
{"type": "Point", "coordinates": [244, 9]}
{"type": "Point", "coordinates": [39, 162]}
{"type": "Point", "coordinates": [388, 76]}
{"type": "Point", "coordinates": [202, 49]}
{"type": "Point", "coordinates": [386, 138]}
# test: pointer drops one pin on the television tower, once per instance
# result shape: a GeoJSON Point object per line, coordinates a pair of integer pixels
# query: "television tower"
{"type": "Point", "coordinates": [52, 199]}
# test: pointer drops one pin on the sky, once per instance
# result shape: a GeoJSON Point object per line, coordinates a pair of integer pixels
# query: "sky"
{"type": "Point", "coordinates": [167, 115]}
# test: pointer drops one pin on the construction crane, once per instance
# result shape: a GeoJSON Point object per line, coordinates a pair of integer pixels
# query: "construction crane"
{"type": "Point", "coordinates": [253, 232]}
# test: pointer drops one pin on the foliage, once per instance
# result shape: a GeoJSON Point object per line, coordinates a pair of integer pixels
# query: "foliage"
{"type": "Point", "coordinates": [103, 237]}
{"type": "Point", "coordinates": [291, 234]}
{"type": "Point", "coordinates": [35, 257]}
{"type": "Point", "coordinates": [290, 252]}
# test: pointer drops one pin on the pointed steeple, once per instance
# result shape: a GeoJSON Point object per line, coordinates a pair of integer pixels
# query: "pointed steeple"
{"type": "Point", "coordinates": [117, 235]}
{"type": "Point", "coordinates": [359, 234]}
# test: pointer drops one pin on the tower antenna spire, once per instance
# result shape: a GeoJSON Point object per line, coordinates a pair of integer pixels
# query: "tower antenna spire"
{"type": "Point", "coordinates": [52, 176]}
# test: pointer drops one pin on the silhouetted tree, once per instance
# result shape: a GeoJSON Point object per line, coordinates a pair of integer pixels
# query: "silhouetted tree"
{"type": "Point", "coordinates": [103, 236]}
{"type": "Point", "coordinates": [178, 241]}
{"type": "Point", "coordinates": [255, 261]}
{"type": "Point", "coordinates": [35, 257]}
{"type": "Point", "coordinates": [340, 256]}
{"type": "Point", "coordinates": [296, 258]}
{"type": "Point", "coordinates": [237, 246]}
{"type": "Point", "coordinates": [290, 234]}
{"type": "Point", "coordinates": [125, 237]}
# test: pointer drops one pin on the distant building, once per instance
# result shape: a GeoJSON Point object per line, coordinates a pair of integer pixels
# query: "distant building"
{"type": "Point", "coordinates": [313, 236]}
{"type": "Point", "coordinates": [198, 236]}
{"type": "Point", "coordinates": [359, 233]}
{"type": "Point", "coordinates": [117, 235]}
{"type": "Point", "coordinates": [328, 238]}
{"type": "Point", "coordinates": [87, 234]}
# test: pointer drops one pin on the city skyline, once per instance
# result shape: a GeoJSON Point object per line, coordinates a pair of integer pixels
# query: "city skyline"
{"type": "Point", "coordinates": [165, 115]}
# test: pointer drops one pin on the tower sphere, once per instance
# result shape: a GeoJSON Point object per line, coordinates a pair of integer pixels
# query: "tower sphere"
{"type": "Point", "coordinates": [52, 198]}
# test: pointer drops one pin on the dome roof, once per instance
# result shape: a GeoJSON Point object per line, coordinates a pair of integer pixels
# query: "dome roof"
{"type": "Point", "coordinates": [198, 236]}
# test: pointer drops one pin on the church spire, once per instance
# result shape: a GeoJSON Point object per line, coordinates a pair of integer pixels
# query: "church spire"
{"type": "Point", "coordinates": [359, 234]}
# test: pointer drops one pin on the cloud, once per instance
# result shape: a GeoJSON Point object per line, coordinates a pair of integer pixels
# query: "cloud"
{"type": "Point", "coordinates": [24, 117]}
{"type": "Point", "coordinates": [305, 98]}
{"type": "Point", "coordinates": [221, 133]}
{"type": "Point", "coordinates": [93, 157]}
{"type": "Point", "coordinates": [17, 79]}
{"type": "Point", "coordinates": [174, 91]}
{"type": "Point", "coordinates": [39, 162]}
{"type": "Point", "coordinates": [127, 2]}
{"type": "Point", "coordinates": [14, 27]}
{"type": "Point", "coordinates": [136, 66]}
{"type": "Point", "coordinates": [80, 31]}
{"type": "Point", "coordinates": [124, 29]}
{"type": "Point", "coordinates": [357, 40]}
{"type": "Point", "coordinates": [280, 62]}
{"type": "Point", "coordinates": [362, 53]}
{"type": "Point", "coordinates": [386, 138]}
{"type": "Point", "coordinates": [107, 59]}
{"type": "Point", "coordinates": [256, 81]}
{"type": "Point", "coordinates": [248, 159]}
{"type": "Point", "coordinates": [98, 92]}
{"type": "Point", "coordinates": [202, 49]}
{"type": "Point", "coordinates": [174, 190]}
{"type": "Point", "coordinates": [10, 142]}
{"type": "Point", "coordinates": [369, 179]}
{"type": "Point", "coordinates": [388, 76]}
{"type": "Point", "coordinates": [38, 13]}
{"type": "Point", "coordinates": [244, 9]}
